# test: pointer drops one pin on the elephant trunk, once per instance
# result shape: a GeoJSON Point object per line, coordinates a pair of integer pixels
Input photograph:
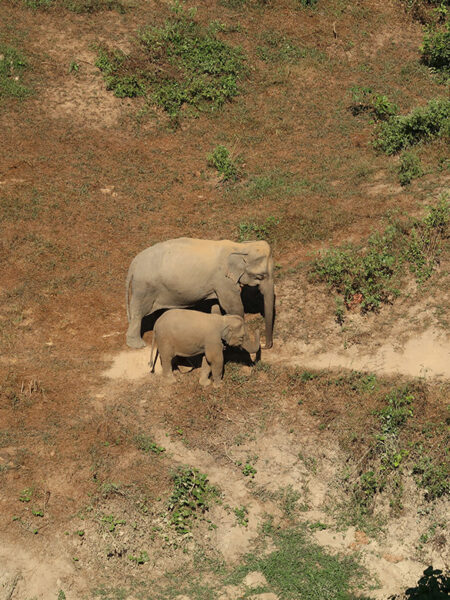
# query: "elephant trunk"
{"type": "Point", "coordinates": [252, 346]}
{"type": "Point", "coordinates": [267, 289]}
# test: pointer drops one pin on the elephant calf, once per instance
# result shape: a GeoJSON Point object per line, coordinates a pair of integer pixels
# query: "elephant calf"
{"type": "Point", "coordinates": [180, 332]}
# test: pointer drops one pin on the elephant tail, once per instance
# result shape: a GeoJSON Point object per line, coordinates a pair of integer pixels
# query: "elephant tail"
{"type": "Point", "coordinates": [152, 362]}
{"type": "Point", "coordinates": [127, 292]}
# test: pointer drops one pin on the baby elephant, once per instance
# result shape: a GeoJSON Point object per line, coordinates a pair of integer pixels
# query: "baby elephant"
{"type": "Point", "coordinates": [180, 332]}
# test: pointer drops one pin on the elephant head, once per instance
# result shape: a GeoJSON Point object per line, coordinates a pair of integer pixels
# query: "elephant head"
{"type": "Point", "coordinates": [252, 264]}
{"type": "Point", "coordinates": [252, 346]}
{"type": "Point", "coordinates": [233, 332]}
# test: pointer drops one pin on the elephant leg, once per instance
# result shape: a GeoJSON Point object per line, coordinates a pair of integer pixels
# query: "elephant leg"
{"type": "Point", "coordinates": [204, 373]}
{"type": "Point", "coordinates": [140, 305]}
{"type": "Point", "coordinates": [230, 300]}
{"type": "Point", "coordinates": [214, 356]}
{"type": "Point", "coordinates": [166, 362]}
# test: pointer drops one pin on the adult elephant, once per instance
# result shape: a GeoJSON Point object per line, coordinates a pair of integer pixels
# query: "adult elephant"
{"type": "Point", "coordinates": [179, 273]}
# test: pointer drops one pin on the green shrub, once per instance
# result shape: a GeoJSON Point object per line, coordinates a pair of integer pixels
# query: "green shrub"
{"type": "Point", "coordinates": [436, 49]}
{"type": "Point", "coordinates": [410, 168]}
{"type": "Point", "coordinates": [364, 99]}
{"type": "Point", "coordinates": [220, 158]}
{"type": "Point", "coordinates": [435, 478]}
{"type": "Point", "coordinates": [371, 274]}
{"type": "Point", "coordinates": [180, 62]}
{"type": "Point", "coordinates": [395, 414]}
{"type": "Point", "coordinates": [420, 125]}
{"type": "Point", "coordinates": [12, 66]}
{"type": "Point", "coordinates": [191, 494]}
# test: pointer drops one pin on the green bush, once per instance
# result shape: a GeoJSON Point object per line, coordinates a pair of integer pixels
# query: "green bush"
{"type": "Point", "coordinates": [436, 49]}
{"type": "Point", "coordinates": [364, 99]}
{"type": "Point", "coordinates": [372, 274]}
{"type": "Point", "coordinates": [435, 478]}
{"type": "Point", "coordinates": [12, 66]}
{"type": "Point", "coordinates": [420, 125]}
{"type": "Point", "coordinates": [220, 158]}
{"type": "Point", "coordinates": [191, 494]}
{"type": "Point", "coordinates": [410, 168]}
{"type": "Point", "coordinates": [180, 62]}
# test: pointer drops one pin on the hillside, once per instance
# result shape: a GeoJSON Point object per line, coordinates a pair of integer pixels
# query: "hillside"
{"type": "Point", "coordinates": [320, 471]}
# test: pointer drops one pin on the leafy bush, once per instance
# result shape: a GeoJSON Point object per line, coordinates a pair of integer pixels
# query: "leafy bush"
{"type": "Point", "coordinates": [410, 168]}
{"type": "Point", "coordinates": [364, 99]}
{"type": "Point", "coordinates": [220, 158]}
{"type": "Point", "coordinates": [436, 49]}
{"type": "Point", "coordinates": [191, 494]}
{"type": "Point", "coordinates": [371, 275]}
{"type": "Point", "coordinates": [180, 62]}
{"type": "Point", "coordinates": [435, 478]}
{"type": "Point", "coordinates": [422, 124]}
{"type": "Point", "coordinates": [395, 414]}
{"type": "Point", "coordinates": [146, 444]}
{"type": "Point", "coordinates": [12, 66]}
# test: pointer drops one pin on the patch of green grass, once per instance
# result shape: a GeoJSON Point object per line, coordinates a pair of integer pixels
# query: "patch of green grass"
{"type": "Point", "coordinates": [36, 4]}
{"type": "Point", "coordinates": [241, 515]}
{"type": "Point", "coordinates": [423, 124]}
{"type": "Point", "coordinates": [12, 66]}
{"type": "Point", "coordinates": [222, 160]}
{"type": "Point", "coordinates": [410, 168]}
{"type": "Point", "coordinates": [277, 47]}
{"type": "Point", "coordinates": [371, 275]}
{"type": "Point", "coordinates": [78, 6]}
{"type": "Point", "coordinates": [307, 3]}
{"type": "Point", "coordinates": [140, 558]}
{"type": "Point", "coordinates": [365, 100]}
{"type": "Point", "coordinates": [146, 444]}
{"type": "Point", "coordinates": [112, 522]}
{"type": "Point", "coordinates": [249, 230]}
{"type": "Point", "coordinates": [249, 470]}
{"type": "Point", "coordinates": [191, 495]}
{"type": "Point", "coordinates": [299, 568]}
{"type": "Point", "coordinates": [180, 62]}
{"type": "Point", "coordinates": [26, 495]}
{"type": "Point", "coordinates": [434, 478]}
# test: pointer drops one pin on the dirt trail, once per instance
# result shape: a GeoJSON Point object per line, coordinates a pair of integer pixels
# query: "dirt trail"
{"type": "Point", "coordinates": [424, 355]}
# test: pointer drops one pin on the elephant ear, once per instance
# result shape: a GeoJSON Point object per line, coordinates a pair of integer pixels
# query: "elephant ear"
{"type": "Point", "coordinates": [226, 334]}
{"type": "Point", "coordinates": [236, 265]}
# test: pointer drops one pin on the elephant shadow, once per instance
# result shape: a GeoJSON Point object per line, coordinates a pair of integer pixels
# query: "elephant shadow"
{"type": "Point", "coordinates": [230, 355]}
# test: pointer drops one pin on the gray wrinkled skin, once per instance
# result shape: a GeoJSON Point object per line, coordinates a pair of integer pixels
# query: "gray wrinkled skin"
{"type": "Point", "coordinates": [181, 272]}
{"type": "Point", "coordinates": [187, 333]}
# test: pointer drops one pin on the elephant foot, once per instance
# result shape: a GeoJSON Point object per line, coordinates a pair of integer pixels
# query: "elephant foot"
{"type": "Point", "coordinates": [136, 343]}
{"type": "Point", "coordinates": [169, 380]}
{"type": "Point", "coordinates": [204, 382]}
{"type": "Point", "coordinates": [217, 384]}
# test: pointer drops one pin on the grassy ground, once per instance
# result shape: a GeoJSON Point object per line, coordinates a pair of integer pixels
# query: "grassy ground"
{"type": "Point", "coordinates": [88, 179]}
